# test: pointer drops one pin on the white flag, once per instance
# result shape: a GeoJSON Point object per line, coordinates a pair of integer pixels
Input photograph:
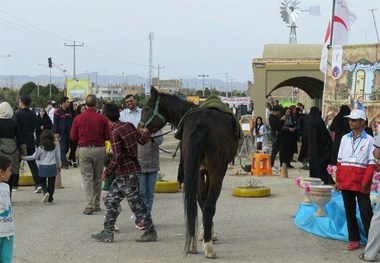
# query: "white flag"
{"type": "Point", "coordinates": [344, 18]}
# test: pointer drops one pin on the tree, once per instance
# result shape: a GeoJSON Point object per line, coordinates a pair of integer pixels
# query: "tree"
{"type": "Point", "coordinates": [28, 88]}
{"type": "Point", "coordinates": [39, 94]}
{"type": "Point", "coordinates": [9, 95]}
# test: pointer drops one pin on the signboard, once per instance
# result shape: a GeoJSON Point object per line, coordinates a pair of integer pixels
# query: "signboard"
{"type": "Point", "coordinates": [77, 89]}
{"type": "Point", "coordinates": [236, 101]}
{"type": "Point", "coordinates": [353, 78]}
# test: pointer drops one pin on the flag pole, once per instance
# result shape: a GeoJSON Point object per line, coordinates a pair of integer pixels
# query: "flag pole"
{"type": "Point", "coordinates": [332, 25]}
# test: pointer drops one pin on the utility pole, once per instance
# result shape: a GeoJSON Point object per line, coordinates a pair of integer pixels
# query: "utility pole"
{"type": "Point", "coordinates": [231, 87]}
{"type": "Point", "coordinates": [147, 89]}
{"type": "Point", "coordinates": [374, 22]}
{"type": "Point", "coordinates": [158, 74]}
{"type": "Point", "coordinates": [74, 46]}
{"type": "Point", "coordinates": [203, 83]}
{"type": "Point", "coordinates": [226, 84]}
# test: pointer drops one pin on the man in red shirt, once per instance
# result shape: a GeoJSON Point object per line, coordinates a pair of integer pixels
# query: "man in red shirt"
{"type": "Point", "coordinates": [91, 130]}
{"type": "Point", "coordinates": [124, 139]}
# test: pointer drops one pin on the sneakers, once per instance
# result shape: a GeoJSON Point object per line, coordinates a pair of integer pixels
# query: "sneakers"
{"type": "Point", "coordinates": [45, 199]}
{"type": "Point", "coordinates": [363, 257]}
{"type": "Point", "coordinates": [75, 164]}
{"type": "Point", "coordinates": [352, 245]}
{"type": "Point", "coordinates": [104, 236]}
{"type": "Point", "coordinates": [139, 225]}
{"type": "Point", "coordinates": [97, 209]}
{"type": "Point", "coordinates": [38, 190]}
{"type": "Point", "coordinates": [148, 236]}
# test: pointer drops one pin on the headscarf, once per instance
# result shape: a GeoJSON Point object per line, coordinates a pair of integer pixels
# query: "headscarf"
{"type": "Point", "coordinates": [340, 124]}
{"type": "Point", "coordinates": [6, 111]}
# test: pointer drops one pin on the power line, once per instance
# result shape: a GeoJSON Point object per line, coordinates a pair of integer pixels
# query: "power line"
{"type": "Point", "coordinates": [20, 28]}
{"type": "Point", "coordinates": [34, 27]}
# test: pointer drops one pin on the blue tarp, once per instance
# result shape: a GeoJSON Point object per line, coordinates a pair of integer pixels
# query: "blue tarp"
{"type": "Point", "coordinates": [333, 225]}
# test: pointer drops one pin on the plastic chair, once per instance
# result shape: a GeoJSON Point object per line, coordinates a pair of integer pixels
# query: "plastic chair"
{"type": "Point", "coordinates": [261, 164]}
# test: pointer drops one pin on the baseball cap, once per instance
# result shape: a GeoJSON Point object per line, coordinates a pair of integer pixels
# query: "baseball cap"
{"type": "Point", "coordinates": [357, 114]}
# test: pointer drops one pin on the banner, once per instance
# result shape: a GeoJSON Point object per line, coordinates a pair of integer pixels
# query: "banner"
{"type": "Point", "coordinates": [358, 85]}
{"type": "Point", "coordinates": [77, 89]}
{"type": "Point", "coordinates": [236, 101]}
{"type": "Point", "coordinates": [336, 63]}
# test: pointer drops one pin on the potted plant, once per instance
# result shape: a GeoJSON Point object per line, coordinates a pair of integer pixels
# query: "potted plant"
{"type": "Point", "coordinates": [253, 188]}
{"type": "Point", "coordinates": [165, 186]}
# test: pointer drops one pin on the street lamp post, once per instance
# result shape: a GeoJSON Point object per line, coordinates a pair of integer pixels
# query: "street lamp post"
{"type": "Point", "coordinates": [96, 78]}
{"type": "Point", "coordinates": [203, 82]}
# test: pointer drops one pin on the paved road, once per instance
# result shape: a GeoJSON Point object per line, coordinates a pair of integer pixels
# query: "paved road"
{"type": "Point", "coordinates": [250, 229]}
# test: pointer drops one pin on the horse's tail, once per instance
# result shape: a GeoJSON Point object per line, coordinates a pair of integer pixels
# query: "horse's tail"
{"type": "Point", "coordinates": [195, 154]}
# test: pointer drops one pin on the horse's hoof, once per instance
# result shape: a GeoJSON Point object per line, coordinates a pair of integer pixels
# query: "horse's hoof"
{"type": "Point", "coordinates": [193, 251]}
{"type": "Point", "coordinates": [209, 250]}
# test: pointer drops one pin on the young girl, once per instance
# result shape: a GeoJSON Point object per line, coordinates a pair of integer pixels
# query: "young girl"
{"type": "Point", "coordinates": [260, 133]}
{"type": "Point", "coordinates": [7, 227]}
{"type": "Point", "coordinates": [49, 164]}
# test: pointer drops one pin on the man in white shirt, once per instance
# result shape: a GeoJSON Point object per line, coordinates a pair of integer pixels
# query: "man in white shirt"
{"type": "Point", "coordinates": [50, 109]}
{"type": "Point", "coordinates": [132, 113]}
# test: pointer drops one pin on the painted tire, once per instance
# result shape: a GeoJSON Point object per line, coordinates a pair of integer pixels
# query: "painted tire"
{"type": "Point", "coordinates": [26, 180]}
{"type": "Point", "coordinates": [251, 192]}
{"type": "Point", "coordinates": [166, 187]}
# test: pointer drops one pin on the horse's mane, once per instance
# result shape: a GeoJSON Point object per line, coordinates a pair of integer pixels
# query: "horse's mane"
{"type": "Point", "coordinates": [176, 104]}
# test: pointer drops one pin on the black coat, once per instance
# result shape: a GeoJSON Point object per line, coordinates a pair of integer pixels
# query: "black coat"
{"type": "Point", "coordinates": [340, 127]}
{"type": "Point", "coordinates": [27, 121]}
{"type": "Point", "coordinates": [319, 146]}
{"type": "Point", "coordinates": [43, 123]}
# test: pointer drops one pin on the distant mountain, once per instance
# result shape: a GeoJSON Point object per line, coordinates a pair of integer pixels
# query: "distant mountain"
{"type": "Point", "coordinates": [106, 80]}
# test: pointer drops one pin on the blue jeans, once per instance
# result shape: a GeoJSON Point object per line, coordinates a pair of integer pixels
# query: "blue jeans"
{"type": "Point", "coordinates": [6, 249]}
{"type": "Point", "coordinates": [147, 183]}
{"type": "Point", "coordinates": [64, 144]}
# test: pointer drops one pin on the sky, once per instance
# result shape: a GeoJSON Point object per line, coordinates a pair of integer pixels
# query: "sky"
{"type": "Point", "coordinates": [191, 37]}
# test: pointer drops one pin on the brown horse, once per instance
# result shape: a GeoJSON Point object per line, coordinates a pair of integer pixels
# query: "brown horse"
{"type": "Point", "coordinates": [208, 145]}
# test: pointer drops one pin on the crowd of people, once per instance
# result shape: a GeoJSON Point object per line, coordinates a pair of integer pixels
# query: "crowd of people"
{"type": "Point", "coordinates": [55, 135]}
{"type": "Point", "coordinates": [130, 169]}
{"type": "Point", "coordinates": [347, 141]}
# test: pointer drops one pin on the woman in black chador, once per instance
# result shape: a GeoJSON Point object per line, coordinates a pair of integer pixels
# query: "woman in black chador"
{"type": "Point", "coordinates": [340, 127]}
{"type": "Point", "coordinates": [320, 146]}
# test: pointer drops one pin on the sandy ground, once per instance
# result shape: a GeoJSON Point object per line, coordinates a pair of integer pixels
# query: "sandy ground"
{"type": "Point", "coordinates": [249, 229]}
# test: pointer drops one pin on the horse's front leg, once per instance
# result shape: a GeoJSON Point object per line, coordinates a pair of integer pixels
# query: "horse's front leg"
{"type": "Point", "coordinates": [193, 246]}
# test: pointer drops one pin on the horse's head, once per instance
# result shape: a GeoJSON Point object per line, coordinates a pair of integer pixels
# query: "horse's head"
{"type": "Point", "coordinates": [151, 118]}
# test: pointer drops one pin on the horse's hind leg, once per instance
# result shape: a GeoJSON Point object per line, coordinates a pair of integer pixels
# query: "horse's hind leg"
{"type": "Point", "coordinates": [203, 185]}
{"type": "Point", "coordinates": [208, 214]}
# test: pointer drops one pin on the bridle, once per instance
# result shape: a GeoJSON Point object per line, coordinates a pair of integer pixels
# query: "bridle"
{"type": "Point", "coordinates": [155, 114]}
